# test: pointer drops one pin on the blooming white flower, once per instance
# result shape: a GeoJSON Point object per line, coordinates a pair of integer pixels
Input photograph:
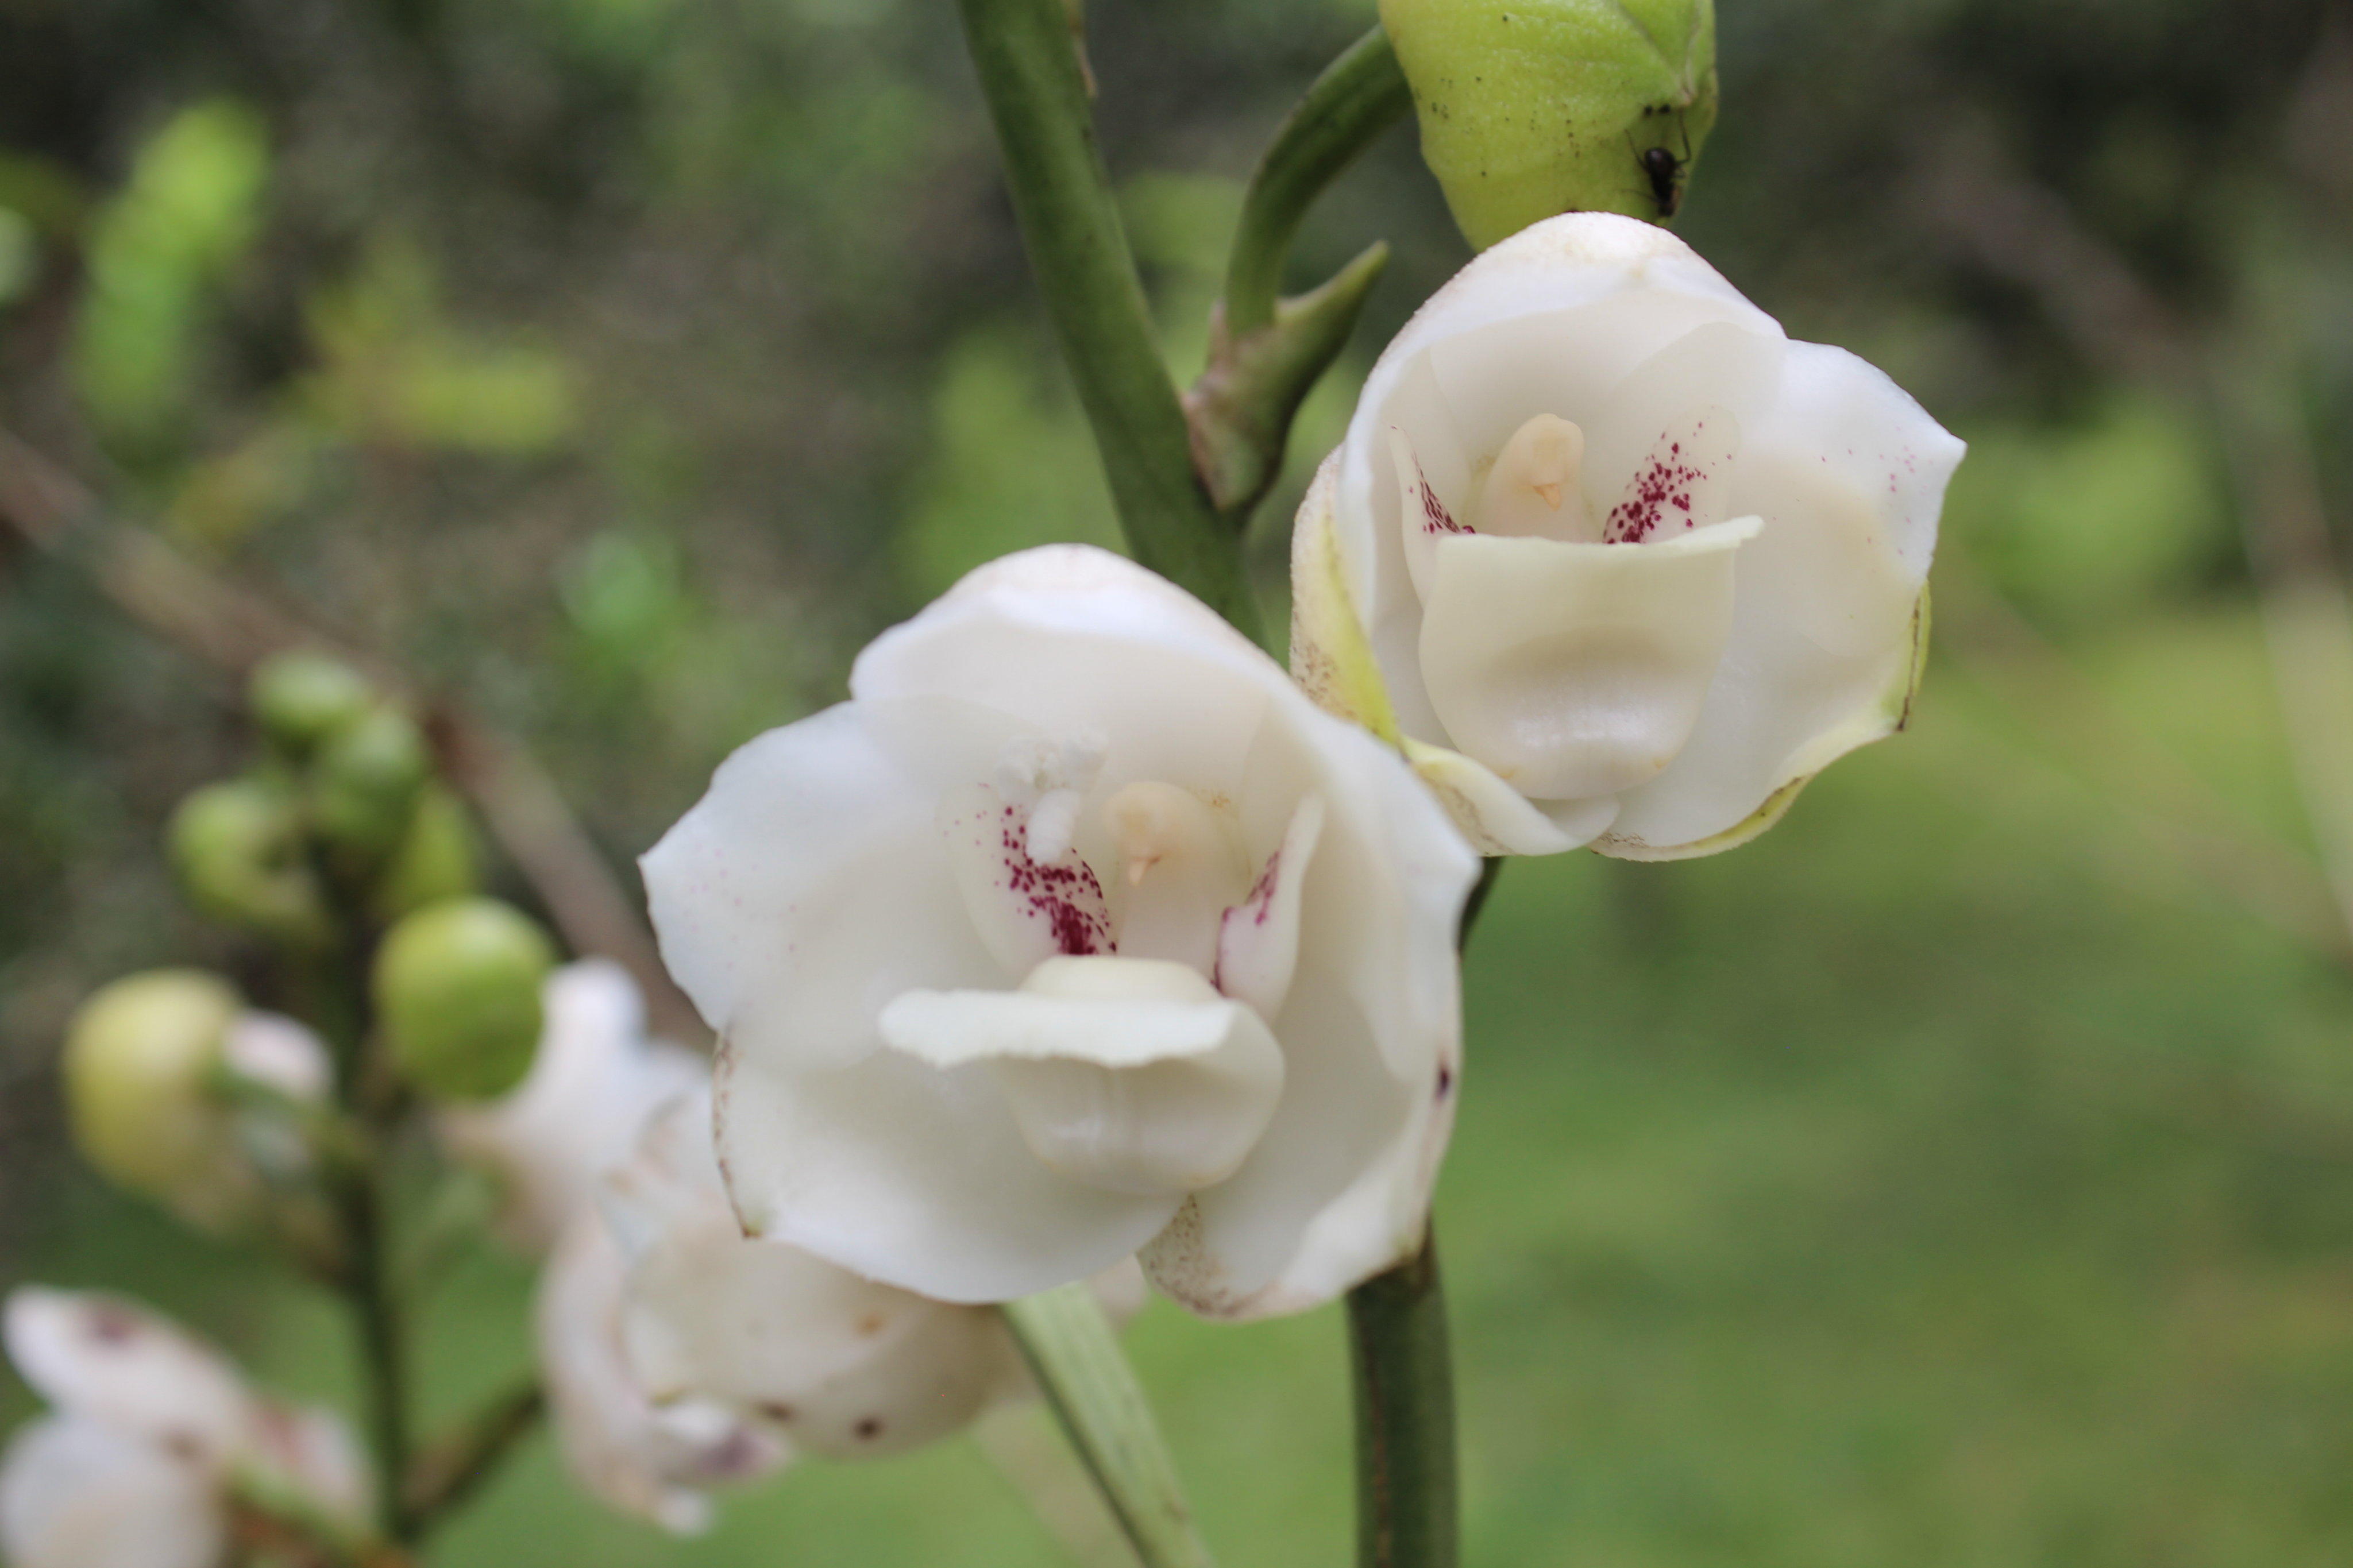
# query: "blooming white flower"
{"type": "Point", "coordinates": [148, 1429]}
{"type": "Point", "coordinates": [592, 1083]}
{"type": "Point", "coordinates": [1613, 558]}
{"type": "Point", "coordinates": [1077, 930]}
{"type": "Point", "coordinates": [680, 1353]}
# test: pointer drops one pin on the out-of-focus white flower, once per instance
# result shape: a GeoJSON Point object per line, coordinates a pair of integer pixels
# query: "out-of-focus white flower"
{"type": "Point", "coordinates": [1614, 559]}
{"type": "Point", "coordinates": [592, 1083]}
{"type": "Point", "coordinates": [680, 1353]}
{"type": "Point", "coordinates": [148, 1431]}
{"type": "Point", "coordinates": [143, 1063]}
{"type": "Point", "coordinates": [1078, 930]}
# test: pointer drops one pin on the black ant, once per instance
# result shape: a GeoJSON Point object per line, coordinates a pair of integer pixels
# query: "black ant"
{"type": "Point", "coordinates": [1665, 172]}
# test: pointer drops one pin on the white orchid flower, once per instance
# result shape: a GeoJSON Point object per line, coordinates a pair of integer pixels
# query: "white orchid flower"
{"type": "Point", "coordinates": [595, 1078]}
{"type": "Point", "coordinates": [1610, 556]}
{"type": "Point", "coordinates": [149, 1431]}
{"type": "Point", "coordinates": [683, 1354]}
{"type": "Point", "coordinates": [1078, 930]}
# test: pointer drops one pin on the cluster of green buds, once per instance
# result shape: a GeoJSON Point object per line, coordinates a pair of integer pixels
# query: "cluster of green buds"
{"type": "Point", "coordinates": [341, 813]}
{"type": "Point", "coordinates": [340, 850]}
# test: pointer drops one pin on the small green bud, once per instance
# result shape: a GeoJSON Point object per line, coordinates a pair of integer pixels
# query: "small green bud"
{"type": "Point", "coordinates": [236, 848]}
{"type": "Point", "coordinates": [1531, 108]}
{"type": "Point", "coordinates": [138, 1065]}
{"type": "Point", "coordinates": [364, 786]}
{"type": "Point", "coordinates": [456, 989]}
{"type": "Point", "coordinates": [300, 699]}
{"type": "Point", "coordinates": [433, 860]}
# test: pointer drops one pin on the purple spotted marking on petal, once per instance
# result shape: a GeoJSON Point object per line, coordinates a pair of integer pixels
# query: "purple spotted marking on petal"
{"type": "Point", "coordinates": [1661, 494]}
{"type": "Point", "coordinates": [1064, 893]}
{"type": "Point", "coordinates": [1435, 518]}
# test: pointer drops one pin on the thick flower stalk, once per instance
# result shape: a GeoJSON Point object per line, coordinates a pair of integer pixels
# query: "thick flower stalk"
{"type": "Point", "coordinates": [595, 1078]}
{"type": "Point", "coordinates": [681, 1355]}
{"type": "Point", "coordinates": [1613, 558]}
{"type": "Point", "coordinates": [149, 1433]}
{"type": "Point", "coordinates": [1078, 930]}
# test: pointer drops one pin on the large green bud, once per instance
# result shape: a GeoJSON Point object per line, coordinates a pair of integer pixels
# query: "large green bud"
{"type": "Point", "coordinates": [364, 782]}
{"type": "Point", "coordinates": [300, 699]}
{"type": "Point", "coordinates": [138, 1063]}
{"type": "Point", "coordinates": [239, 852]}
{"type": "Point", "coordinates": [456, 988]}
{"type": "Point", "coordinates": [1531, 108]}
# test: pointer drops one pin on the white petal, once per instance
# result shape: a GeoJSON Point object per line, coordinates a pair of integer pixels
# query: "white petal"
{"type": "Point", "coordinates": [1848, 475]}
{"type": "Point", "coordinates": [1258, 939]}
{"type": "Point", "coordinates": [633, 1457]}
{"type": "Point", "coordinates": [593, 1082]}
{"type": "Point", "coordinates": [76, 1493]}
{"type": "Point", "coordinates": [915, 1177]}
{"type": "Point", "coordinates": [1132, 1075]}
{"type": "Point", "coordinates": [101, 1357]}
{"type": "Point", "coordinates": [808, 887]}
{"type": "Point", "coordinates": [272, 1049]}
{"type": "Point", "coordinates": [1499, 819]}
{"type": "Point", "coordinates": [1578, 670]}
{"type": "Point", "coordinates": [308, 1452]}
{"type": "Point", "coordinates": [1331, 655]}
{"type": "Point", "coordinates": [1067, 639]}
{"type": "Point", "coordinates": [1719, 365]}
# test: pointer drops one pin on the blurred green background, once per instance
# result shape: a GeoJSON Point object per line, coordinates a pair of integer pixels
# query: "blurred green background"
{"type": "Point", "coordinates": [1961, 1175]}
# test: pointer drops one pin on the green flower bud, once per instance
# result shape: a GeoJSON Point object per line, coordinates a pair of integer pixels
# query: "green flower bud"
{"type": "Point", "coordinates": [1531, 108]}
{"type": "Point", "coordinates": [138, 1065]}
{"type": "Point", "coordinates": [433, 860]}
{"type": "Point", "coordinates": [236, 848]}
{"type": "Point", "coordinates": [364, 786]}
{"type": "Point", "coordinates": [456, 989]}
{"type": "Point", "coordinates": [300, 699]}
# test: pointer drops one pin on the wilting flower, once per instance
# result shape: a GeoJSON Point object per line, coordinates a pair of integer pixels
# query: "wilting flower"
{"type": "Point", "coordinates": [1077, 930]}
{"type": "Point", "coordinates": [594, 1080]}
{"type": "Point", "coordinates": [680, 1354]}
{"type": "Point", "coordinates": [149, 1431]}
{"type": "Point", "coordinates": [146, 1066]}
{"type": "Point", "coordinates": [1613, 558]}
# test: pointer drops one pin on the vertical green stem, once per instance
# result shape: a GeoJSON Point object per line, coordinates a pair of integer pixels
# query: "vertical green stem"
{"type": "Point", "coordinates": [1027, 54]}
{"type": "Point", "coordinates": [1404, 1417]}
{"type": "Point", "coordinates": [341, 999]}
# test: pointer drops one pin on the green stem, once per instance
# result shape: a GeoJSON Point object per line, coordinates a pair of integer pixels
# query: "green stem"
{"type": "Point", "coordinates": [1073, 1352]}
{"type": "Point", "coordinates": [1027, 55]}
{"type": "Point", "coordinates": [1404, 1417]}
{"type": "Point", "coordinates": [383, 1351]}
{"type": "Point", "coordinates": [1359, 95]}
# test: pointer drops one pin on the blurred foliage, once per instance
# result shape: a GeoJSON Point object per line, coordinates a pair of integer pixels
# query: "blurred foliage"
{"type": "Point", "coordinates": [1955, 1177]}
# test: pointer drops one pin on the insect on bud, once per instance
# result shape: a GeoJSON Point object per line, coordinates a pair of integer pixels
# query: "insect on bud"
{"type": "Point", "coordinates": [456, 988]}
{"type": "Point", "coordinates": [1532, 107]}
